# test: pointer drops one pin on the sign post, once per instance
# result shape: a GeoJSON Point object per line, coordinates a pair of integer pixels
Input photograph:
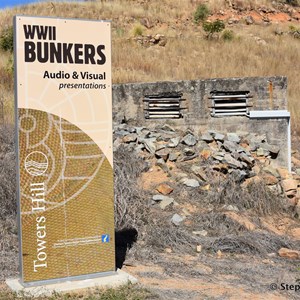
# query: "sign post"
{"type": "Point", "coordinates": [64, 123]}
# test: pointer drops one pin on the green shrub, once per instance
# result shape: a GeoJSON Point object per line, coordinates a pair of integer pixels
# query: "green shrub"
{"type": "Point", "coordinates": [201, 13]}
{"type": "Point", "coordinates": [120, 32]}
{"type": "Point", "coordinates": [7, 40]}
{"type": "Point", "coordinates": [213, 27]}
{"type": "Point", "coordinates": [138, 30]}
{"type": "Point", "coordinates": [293, 29]}
{"type": "Point", "coordinates": [228, 35]}
{"type": "Point", "coordinates": [293, 2]}
{"type": "Point", "coordinates": [10, 65]}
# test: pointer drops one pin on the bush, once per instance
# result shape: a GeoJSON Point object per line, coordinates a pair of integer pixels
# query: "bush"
{"type": "Point", "coordinates": [293, 29]}
{"type": "Point", "coordinates": [138, 30]}
{"type": "Point", "coordinates": [7, 40]}
{"type": "Point", "coordinates": [256, 197]}
{"type": "Point", "coordinates": [8, 201]}
{"type": "Point", "coordinates": [201, 13]}
{"type": "Point", "coordinates": [292, 2]}
{"type": "Point", "coordinates": [228, 35]}
{"type": "Point", "coordinates": [213, 27]}
{"type": "Point", "coordinates": [10, 66]}
{"type": "Point", "coordinates": [131, 209]}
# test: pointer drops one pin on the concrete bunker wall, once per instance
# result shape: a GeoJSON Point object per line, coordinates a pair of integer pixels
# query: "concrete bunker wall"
{"type": "Point", "coordinates": [267, 93]}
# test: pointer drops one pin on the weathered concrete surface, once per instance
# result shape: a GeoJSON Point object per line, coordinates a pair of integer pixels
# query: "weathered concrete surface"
{"type": "Point", "coordinates": [267, 93]}
{"type": "Point", "coordinates": [118, 279]}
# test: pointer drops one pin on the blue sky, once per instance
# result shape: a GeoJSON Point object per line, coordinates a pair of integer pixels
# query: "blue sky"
{"type": "Point", "coordinates": [10, 3]}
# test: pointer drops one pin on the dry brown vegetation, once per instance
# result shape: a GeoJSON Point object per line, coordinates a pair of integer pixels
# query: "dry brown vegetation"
{"type": "Point", "coordinates": [131, 209]}
{"type": "Point", "coordinates": [126, 292]}
{"type": "Point", "coordinates": [7, 172]}
{"type": "Point", "coordinates": [187, 55]}
{"type": "Point", "coordinates": [8, 228]}
{"type": "Point", "coordinates": [172, 248]}
{"type": "Point", "coordinates": [134, 209]}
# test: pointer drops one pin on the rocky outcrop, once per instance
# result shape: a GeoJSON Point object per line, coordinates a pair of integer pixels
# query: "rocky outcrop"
{"type": "Point", "coordinates": [151, 40]}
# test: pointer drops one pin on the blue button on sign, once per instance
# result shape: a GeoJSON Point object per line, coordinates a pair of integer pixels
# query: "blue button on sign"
{"type": "Point", "coordinates": [105, 238]}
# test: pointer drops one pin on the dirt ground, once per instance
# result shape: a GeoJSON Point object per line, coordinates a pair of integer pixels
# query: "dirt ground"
{"type": "Point", "coordinates": [176, 276]}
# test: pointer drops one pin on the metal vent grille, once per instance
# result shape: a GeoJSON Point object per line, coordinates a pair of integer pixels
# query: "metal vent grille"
{"type": "Point", "coordinates": [229, 103]}
{"type": "Point", "coordinates": [165, 106]}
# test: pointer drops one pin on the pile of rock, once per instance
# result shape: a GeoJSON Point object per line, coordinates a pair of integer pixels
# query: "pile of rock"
{"type": "Point", "coordinates": [151, 40]}
{"type": "Point", "coordinates": [246, 156]}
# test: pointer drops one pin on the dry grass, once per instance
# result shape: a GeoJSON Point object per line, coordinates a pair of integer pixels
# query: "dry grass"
{"type": "Point", "coordinates": [256, 197]}
{"type": "Point", "coordinates": [8, 227]}
{"type": "Point", "coordinates": [260, 243]}
{"type": "Point", "coordinates": [7, 173]}
{"type": "Point", "coordinates": [8, 248]}
{"type": "Point", "coordinates": [126, 292]}
{"type": "Point", "coordinates": [131, 207]}
{"type": "Point", "coordinates": [217, 5]}
{"type": "Point", "coordinates": [6, 86]}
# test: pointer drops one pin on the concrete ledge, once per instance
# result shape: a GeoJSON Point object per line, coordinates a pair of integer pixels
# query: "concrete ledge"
{"type": "Point", "coordinates": [118, 279]}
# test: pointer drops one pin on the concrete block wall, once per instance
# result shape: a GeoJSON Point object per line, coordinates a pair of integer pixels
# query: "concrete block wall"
{"type": "Point", "coordinates": [267, 93]}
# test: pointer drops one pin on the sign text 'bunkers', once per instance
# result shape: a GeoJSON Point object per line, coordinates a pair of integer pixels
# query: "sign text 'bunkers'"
{"type": "Point", "coordinates": [41, 45]}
